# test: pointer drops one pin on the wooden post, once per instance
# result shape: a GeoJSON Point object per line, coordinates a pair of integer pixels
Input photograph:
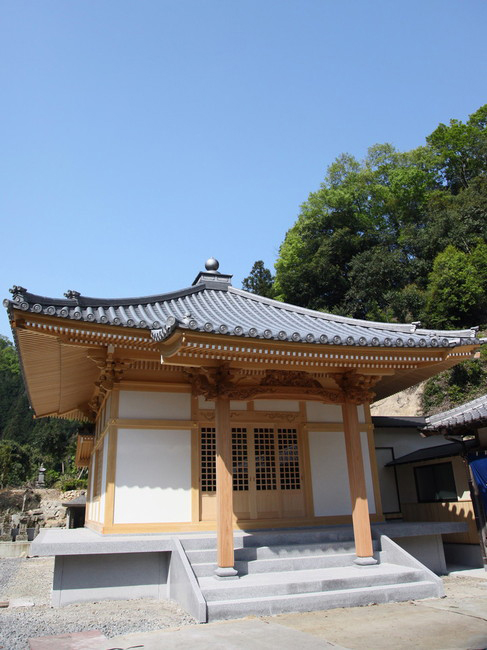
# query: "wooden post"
{"type": "Point", "coordinates": [358, 493]}
{"type": "Point", "coordinates": [224, 489]}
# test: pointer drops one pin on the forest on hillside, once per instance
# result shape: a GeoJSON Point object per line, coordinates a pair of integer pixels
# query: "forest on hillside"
{"type": "Point", "coordinates": [398, 236]}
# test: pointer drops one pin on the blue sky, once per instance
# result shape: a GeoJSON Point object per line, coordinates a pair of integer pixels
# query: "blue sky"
{"type": "Point", "coordinates": [138, 138]}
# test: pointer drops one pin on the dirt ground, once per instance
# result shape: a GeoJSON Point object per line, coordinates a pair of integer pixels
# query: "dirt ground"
{"type": "Point", "coordinates": [458, 621]}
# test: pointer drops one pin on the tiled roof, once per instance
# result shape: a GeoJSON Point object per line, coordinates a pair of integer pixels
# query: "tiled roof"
{"type": "Point", "coordinates": [212, 305]}
{"type": "Point", "coordinates": [474, 412]}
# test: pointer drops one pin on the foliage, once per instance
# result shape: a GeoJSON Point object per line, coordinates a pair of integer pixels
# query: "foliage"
{"type": "Point", "coordinates": [8, 357]}
{"type": "Point", "coordinates": [260, 281]}
{"type": "Point", "coordinates": [15, 464]}
{"type": "Point", "coordinates": [456, 294]}
{"type": "Point", "coordinates": [375, 240]}
{"type": "Point", "coordinates": [456, 386]}
{"type": "Point", "coordinates": [67, 482]}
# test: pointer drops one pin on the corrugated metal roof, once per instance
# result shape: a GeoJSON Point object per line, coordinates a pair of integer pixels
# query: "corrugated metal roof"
{"type": "Point", "coordinates": [213, 305]}
{"type": "Point", "coordinates": [474, 412]}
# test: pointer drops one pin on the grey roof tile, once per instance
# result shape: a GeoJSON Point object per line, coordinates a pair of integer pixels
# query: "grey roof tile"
{"type": "Point", "coordinates": [213, 305]}
{"type": "Point", "coordinates": [473, 412]}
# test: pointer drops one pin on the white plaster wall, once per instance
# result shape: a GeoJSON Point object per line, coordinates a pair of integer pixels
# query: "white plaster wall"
{"type": "Point", "coordinates": [331, 491]}
{"type": "Point", "coordinates": [154, 406]}
{"type": "Point", "coordinates": [101, 511]}
{"type": "Point", "coordinates": [153, 476]}
{"type": "Point", "coordinates": [318, 412]}
{"type": "Point", "coordinates": [89, 509]}
{"type": "Point", "coordinates": [276, 405]}
{"type": "Point", "coordinates": [204, 403]}
{"type": "Point", "coordinates": [235, 405]}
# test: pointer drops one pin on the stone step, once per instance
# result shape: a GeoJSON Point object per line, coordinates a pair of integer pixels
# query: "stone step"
{"type": "Point", "coordinates": [278, 537]}
{"type": "Point", "coordinates": [266, 552]}
{"type": "Point", "coordinates": [306, 602]}
{"type": "Point", "coordinates": [273, 565]}
{"type": "Point", "coordinates": [306, 581]}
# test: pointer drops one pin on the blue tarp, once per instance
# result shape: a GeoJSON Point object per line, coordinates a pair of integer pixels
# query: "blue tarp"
{"type": "Point", "coordinates": [479, 471]}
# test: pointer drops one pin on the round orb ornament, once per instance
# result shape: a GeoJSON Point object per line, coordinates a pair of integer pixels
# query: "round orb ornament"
{"type": "Point", "coordinates": [212, 264]}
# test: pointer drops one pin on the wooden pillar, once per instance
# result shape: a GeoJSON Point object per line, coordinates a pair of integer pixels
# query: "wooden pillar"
{"type": "Point", "coordinates": [356, 476]}
{"type": "Point", "coordinates": [224, 489]}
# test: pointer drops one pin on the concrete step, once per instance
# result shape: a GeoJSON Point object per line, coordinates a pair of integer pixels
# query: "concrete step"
{"type": "Point", "coordinates": [278, 537]}
{"type": "Point", "coordinates": [305, 602]}
{"type": "Point", "coordinates": [271, 552]}
{"type": "Point", "coordinates": [274, 565]}
{"type": "Point", "coordinates": [306, 581]}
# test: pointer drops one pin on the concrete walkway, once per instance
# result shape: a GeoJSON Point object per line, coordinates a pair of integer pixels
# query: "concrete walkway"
{"type": "Point", "coordinates": [458, 621]}
{"type": "Point", "coordinates": [243, 634]}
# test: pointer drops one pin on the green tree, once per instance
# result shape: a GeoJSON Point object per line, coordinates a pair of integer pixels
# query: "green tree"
{"type": "Point", "coordinates": [260, 281]}
{"type": "Point", "coordinates": [457, 286]}
{"type": "Point", "coordinates": [365, 242]}
{"type": "Point", "coordinates": [15, 464]}
{"type": "Point", "coordinates": [460, 150]}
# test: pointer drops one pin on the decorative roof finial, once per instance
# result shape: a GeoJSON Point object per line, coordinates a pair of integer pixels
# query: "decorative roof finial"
{"type": "Point", "coordinates": [72, 295]}
{"type": "Point", "coordinates": [212, 264]}
{"type": "Point", "coordinates": [17, 290]}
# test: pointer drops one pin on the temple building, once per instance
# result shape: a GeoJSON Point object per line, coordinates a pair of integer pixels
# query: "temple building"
{"type": "Point", "coordinates": [218, 412]}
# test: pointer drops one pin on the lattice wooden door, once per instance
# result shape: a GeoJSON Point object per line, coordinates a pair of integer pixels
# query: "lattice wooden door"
{"type": "Point", "coordinates": [267, 479]}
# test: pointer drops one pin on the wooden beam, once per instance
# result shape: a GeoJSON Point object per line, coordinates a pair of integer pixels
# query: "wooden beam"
{"type": "Point", "coordinates": [224, 489]}
{"type": "Point", "coordinates": [358, 493]}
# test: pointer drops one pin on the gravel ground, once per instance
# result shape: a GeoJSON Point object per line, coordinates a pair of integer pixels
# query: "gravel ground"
{"type": "Point", "coordinates": [8, 568]}
{"type": "Point", "coordinates": [30, 580]}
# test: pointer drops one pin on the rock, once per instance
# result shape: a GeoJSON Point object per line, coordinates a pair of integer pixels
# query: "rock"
{"type": "Point", "coordinates": [21, 602]}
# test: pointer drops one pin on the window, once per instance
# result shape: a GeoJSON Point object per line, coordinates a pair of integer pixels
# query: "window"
{"type": "Point", "coordinates": [435, 483]}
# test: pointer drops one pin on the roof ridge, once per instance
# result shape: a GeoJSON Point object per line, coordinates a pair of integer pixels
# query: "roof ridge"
{"type": "Point", "coordinates": [88, 301]}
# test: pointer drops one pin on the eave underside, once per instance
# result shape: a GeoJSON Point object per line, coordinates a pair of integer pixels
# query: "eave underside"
{"type": "Point", "coordinates": [62, 369]}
